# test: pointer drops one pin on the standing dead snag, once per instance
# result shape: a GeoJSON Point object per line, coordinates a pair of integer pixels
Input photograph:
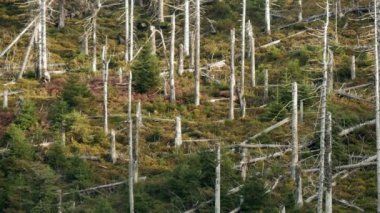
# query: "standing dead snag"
{"type": "Point", "coordinates": [377, 103]}
{"type": "Point", "coordinates": [192, 49]}
{"type": "Point", "coordinates": [301, 111]}
{"type": "Point", "coordinates": [180, 60]}
{"type": "Point", "coordinates": [161, 10]}
{"type": "Point", "coordinates": [62, 14]}
{"type": "Point", "coordinates": [5, 99]}
{"type": "Point", "coordinates": [43, 69]}
{"type": "Point", "coordinates": [105, 89]}
{"type": "Point", "coordinates": [294, 131]}
{"type": "Point", "coordinates": [131, 162]}
{"type": "Point", "coordinates": [323, 115]}
{"type": "Point", "coordinates": [153, 39]}
{"type": "Point", "coordinates": [186, 39]}
{"type": "Point", "coordinates": [217, 179]}
{"type": "Point", "coordinates": [232, 76]}
{"type": "Point", "coordinates": [178, 132]}
{"type": "Point", "coordinates": [330, 75]}
{"type": "Point", "coordinates": [253, 54]}
{"type": "Point", "coordinates": [267, 16]}
{"type": "Point", "coordinates": [197, 69]}
{"type": "Point", "coordinates": [299, 192]}
{"type": "Point", "coordinates": [266, 85]}
{"type": "Point", "coordinates": [126, 8]}
{"type": "Point", "coordinates": [353, 68]}
{"type": "Point", "coordinates": [131, 30]}
{"type": "Point", "coordinates": [300, 11]}
{"type": "Point", "coordinates": [328, 161]}
{"type": "Point", "coordinates": [136, 145]}
{"type": "Point", "coordinates": [172, 49]}
{"type": "Point", "coordinates": [113, 147]}
{"type": "Point", "coordinates": [243, 48]}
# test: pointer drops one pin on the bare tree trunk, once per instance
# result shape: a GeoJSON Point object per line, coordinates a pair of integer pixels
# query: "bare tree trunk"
{"type": "Point", "coordinates": [243, 164]}
{"type": "Point", "coordinates": [5, 99]}
{"type": "Point", "coordinates": [85, 44]}
{"type": "Point", "coordinates": [131, 162]}
{"type": "Point", "coordinates": [186, 39]}
{"type": "Point", "coordinates": [153, 39]}
{"type": "Point", "coordinates": [178, 132]}
{"type": "Point", "coordinates": [197, 70]}
{"type": "Point", "coordinates": [266, 85]}
{"type": "Point", "coordinates": [330, 75]}
{"type": "Point", "coordinates": [131, 30]}
{"type": "Point", "coordinates": [59, 191]}
{"type": "Point", "coordinates": [172, 68]}
{"type": "Point", "coordinates": [328, 193]}
{"type": "Point", "coordinates": [253, 55]}
{"type": "Point", "coordinates": [62, 15]}
{"type": "Point", "coordinates": [180, 60]}
{"type": "Point", "coordinates": [323, 115]}
{"type": "Point", "coordinates": [299, 193]}
{"type": "Point", "coordinates": [377, 101]}
{"type": "Point", "coordinates": [294, 131]}
{"type": "Point", "coordinates": [300, 17]}
{"type": "Point", "coordinates": [120, 75]}
{"type": "Point", "coordinates": [105, 89]}
{"type": "Point", "coordinates": [136, 147]}
{"type": "Point", "coordinates": [113, 147]}
{"type": "Point", "coordinates": [94, 41]}
{"type": "Point", "coordinates": [63, 133]}
{"type": "Point", "coordinates": [27, 54]}
{"type": "Point", "coordinates": [192, 49]}
{"type": "Point", "coordinates": [336, 23]}
{"type": "Point", "coordinates": [161, 10]}
{"type": "Point", "coordinates": [353, 68]}
{"type": "Point", "coordinates": [232, 76]}
{"type": "Point", "coordinates": [217, 180]}
{"type": "Point", "coordinates": [126, 7]}
{"type": "Point", "coordinates": [301, 111]}
{"type": "Point", "coordinates": [43, 45]}
{"type": "Point", "coordinates": [267, 16]}
{"type": "Point", "coordinates": [243, 32]}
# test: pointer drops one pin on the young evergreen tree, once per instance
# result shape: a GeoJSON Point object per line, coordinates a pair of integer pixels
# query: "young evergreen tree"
{"type": "Point", "coordinates": [146, 73]}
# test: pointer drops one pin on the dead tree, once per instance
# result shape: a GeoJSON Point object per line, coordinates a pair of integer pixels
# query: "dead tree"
{"type": "Point", "coordinates": [243, 32]}
{"type": "Point", "coordinates": [253, 54]}
{"type": "Point", "coordinates": [377, 102]}
{"type": "Point", "coordinates": [192, 49]}
{"type": "Point", "coordinates": [323, 114]}
{"type": "Point", "coordinates": [131, 31]}
{"type": "Point", "coordinates": [113, 147]}
{"type": "Point", "coordinates": [27, 54]}
{"type": "Point", "coordinates": [328, 161]}
{"type": "Point", "coordinates": [172, 68]}
{"type": "Point", "coordinates": [232, 76]}
{"type": "Point", "coordinates": [217, 179]}
{"type": "Point", "coordinates": [353, 68]}
{"type": "Point", "coordinates": [267, 16]}
{"type": "Point", "coordinates": [301, 111]}
{"type": "Point", "coordinates": [105, 89]}
{"type": "Point", "coordinates": [180, 60]}
{"type": "Point", "coordinates": [330, 75]}
{"type": "Point", "coordinates": [131, 162]}
{"type": "Point", "coordinates": [126, 8]}
{"type": "Point", "coordinates": [153, 39]}
{"type": "Point", "coordinates": [43, 58]}
{"type": "Point", "coordinates": [294, 131]}
{"type": "Point", "coordinates": [120, 75]}
{"type": "Point", "coordinates": [300, 17]}
{"type": "Point", "coordinates": [186, 39]}
{"type": "Point", "coordinates": [266, 85]}
{"type": "Point", "coordinates": [178, 132]}
{"type": "Point", "coordinates": [62, 14]}
{"type": "Point", "coordinates": [161, 10]}
{"type": "Point", "coordinates": [5, 99]}
{"type": "Point", "coordinates": [136, 145]}
{"type": "Point", "coordinates": [197, 68]}
{"type": "Point", "coordinates": [94, 39]}
{"type": "Point", "coordinates": [299, 192]}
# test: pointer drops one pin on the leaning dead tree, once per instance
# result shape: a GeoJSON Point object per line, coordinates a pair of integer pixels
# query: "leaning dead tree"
{"type": "Point", "coordinates": [377, 102]}
{"type": "Point", "coordinates": [232, 76]}
{"type": "Point", "coordinates": [323, 114]}
{"type": "Point", "coordinates": [197, 70]}
{"type": "Point", "coordinates": [172, 68]}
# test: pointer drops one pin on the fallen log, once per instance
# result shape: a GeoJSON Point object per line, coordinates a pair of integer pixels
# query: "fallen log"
{"type": "Point", "coordinates": [347, 95]}
{"type": "Point", "coordinates": [351, 129]}
{"type": "Point", "coordinates": [91, 189]}
{"type": "Point", "coordinates": [346, 203]}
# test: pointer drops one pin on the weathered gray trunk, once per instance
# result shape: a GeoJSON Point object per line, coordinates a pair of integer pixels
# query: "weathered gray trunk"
{"type": "Point", "coordinates": [85, 44]}
{"type": "Point", "coordinates": [178, 132]}
{"type": "Point", "coordinates": [232, 76]}
{"type": "Point", "coordinates": [294, 131]}
{"type": "Point", "coordinates": [300, 17]}
{"type": "Point", "coordinates": [323, 114]}
{"type": "Point", "coordinates": [62, 14]}
{"type": "Point", "coordinates": [120, 75]}
{"type": "Point", "coordinates": [130, 134]}
{"type": "Point", "coordinates": [186, 40]}
{"type": "Point", "coordinates": [63, 134]}
{"type": "Point", "coordinates": [161, 10]}
{"type": "Point", "coordinates": [330, 75]}
{"type": "Point", "coordinates": [253, 54]}
{"type": "Point", "coordinates": [197, 68]}
{"type": "Point", "coordinates": [94, 41]}
{"type": "Point", "coordinates": [113, 147]}
{"type": "Point", "coordinates": [5, 99]}
{"type": "Point", "coordinates": [299, 191]}
{"type": "Point", "coordinates": [377, 102]}
{"type": "Point", "coordinates": [301, 111]}
{"type": "Point", "coordinates": [328, 179]}
{"type": "Point", "coordinates": [153, 39]}
{"type": "Point", "coordinates": [131, 30]}
{"type": "Point", "coordinates": [105, 89]}
{"type": "Point", "coordinates": [217, 179]}
{"type": "Point", "coordinates": [267, 16]}
{"type": "Point", "coordinates": [266, 85]}
{"type": "Point", "coordinates": [192, 49]}
{"type": "Point", "coordinates": [43, 43]}
{"type": "Point", "coordinates": [172, 68]}
{"type": "Point", "coordinates": [27, 54]}
{"type": "Point", "coordinates": [180, 60]}
{"type": "Point", "coordinates": [136, 145]}
{"type": "Point", "coordinates": [243, 32]}
{"type": "Point", "coordinates": [126, 8]}
{"type": "Point", "coordinates": [353, 68]}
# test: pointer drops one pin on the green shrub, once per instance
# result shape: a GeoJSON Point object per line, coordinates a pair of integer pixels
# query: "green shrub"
{"type": "Point", "coordinates": [27, 117]}
{"type": "Point", "coordinates": [75, 93]}
{"type": "Point", "coordinates": [57, 112]}
{"type": "Point", "coordinates": [146, 71]}
{"type": "Point", "coordinates": [275, 111]}
{"type": "Point", "coordinates": [19, 146]}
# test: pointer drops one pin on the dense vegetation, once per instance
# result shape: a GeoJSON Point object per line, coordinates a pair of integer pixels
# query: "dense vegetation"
{"type": "Point", "coordinates": [32, 174]}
